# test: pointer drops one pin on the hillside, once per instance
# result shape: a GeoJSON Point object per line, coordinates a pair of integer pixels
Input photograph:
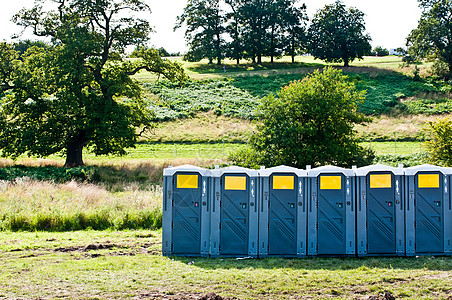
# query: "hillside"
{"type": "Point", "coordinates": [219, 106]}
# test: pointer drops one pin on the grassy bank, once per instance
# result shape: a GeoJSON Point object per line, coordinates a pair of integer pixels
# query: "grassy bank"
{"type": "Point", "coordinates": [128, 264]}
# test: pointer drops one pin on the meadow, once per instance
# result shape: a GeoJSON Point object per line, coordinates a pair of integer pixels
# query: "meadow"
{"type": "Point", "coordinates": [95, 231]}
{"type": "Point", "coordinates": [128, 264]}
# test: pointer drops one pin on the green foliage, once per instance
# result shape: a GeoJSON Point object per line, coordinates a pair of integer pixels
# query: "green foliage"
{"type": "Point", "coordinates": [439, 143]}
{"type": "Point", "coordinates": [23, 46]}
{"type": "Point", "coordinates": [239, 96]}
{"type": "Point", "coordinates": [397, 159]}
{"type": "Point", "coordinates": [336, 34]}
{"type": "Point", "coordinates": [219, 96]}
{"type": "Point", "coordinates": [77, 92]}
{"type": "Point", "coordinates": [379, 51]}
{"type": "Point", "coordinates": [433, 35]}
{"type": "Point", "coordinates": [45, 173]}
{"type": "Point", "coordinates": [384, 91]}
{"type": "Point", "coordinates": [101, 219]}
{"type": "Point", "coordinates": [435, 106]}
{"type": "Point", "coordinates": [310, 123]}
{"type": "Point", "coordinates": [204, 21]}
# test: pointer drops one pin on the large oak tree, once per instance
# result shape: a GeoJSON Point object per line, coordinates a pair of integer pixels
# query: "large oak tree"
{"type": "Point", "coordinates": [78, 92]}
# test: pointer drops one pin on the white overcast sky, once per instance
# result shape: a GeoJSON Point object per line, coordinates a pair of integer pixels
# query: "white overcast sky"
{"type": "Point", "coordinates": [387, 21]}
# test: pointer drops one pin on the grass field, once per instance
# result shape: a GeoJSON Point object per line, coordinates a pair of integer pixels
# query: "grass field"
{"type": "Point", "coordinates": [128, 264]}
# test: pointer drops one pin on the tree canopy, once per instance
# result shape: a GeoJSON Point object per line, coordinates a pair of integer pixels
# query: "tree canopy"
{"type": "Point", "coordinates": [433, 35]}
{"type": "Point", "coordinates": [243, 29]}
{"type": "Point", "coordinates": [205, 28]}
{"type": "Point", "coordinates": [310, 122]}
{"type": "Point", "coordinates": [337, 34]}
{"type": "Point", "coordinates": [77, 92]}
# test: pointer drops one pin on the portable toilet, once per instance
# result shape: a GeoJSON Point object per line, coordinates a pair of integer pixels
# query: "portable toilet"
{"type": "Point", "coordinates": [282, 212]}
{"type": "Point", "coordinates": [234, 217]}
{"type": "Point", "coordinates": [380, 210]}
{"type": "Point", "coordinates": [186, 211]}
{"type": "Point", "coordinates": [428, 210]}
{"type": "Point", "coordinates": [331, 211]}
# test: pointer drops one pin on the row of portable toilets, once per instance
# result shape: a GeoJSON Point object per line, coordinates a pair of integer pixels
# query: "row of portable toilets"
{"type": "Point", "coordinates": [282, 211]}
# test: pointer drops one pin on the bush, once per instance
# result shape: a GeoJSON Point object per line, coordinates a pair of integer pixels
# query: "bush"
{"type": "Point", "coordinates": [439, 143]}
{"type": "Point", "coordinates": [310, 123]}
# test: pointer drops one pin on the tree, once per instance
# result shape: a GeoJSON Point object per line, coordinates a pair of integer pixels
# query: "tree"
{"type": "Point", "coordinates": [204, 20]}
{"type": "Point", "coordinates": [78, 92]}
{"type": "Point", "coordinates": [23, 46]}
{"type": "Point", "coordinates": [439, 143]}
{"type": "Point", "coordinates": [234, 27]}
{"type": "Point", "coordinates": [293, 22]}
{"type": "Point", "coordinates": [433, 35]}
{"type": "Point", "coordinates": [379, 51]}
{"type": "Point", "coordinates": [255, 15]}
{"type": "Point", "coordinates": [286, 27]}
{"type": "Point", "coordinates": [309, 123]}
{"type": "Point", "coordinates": [336, 34]}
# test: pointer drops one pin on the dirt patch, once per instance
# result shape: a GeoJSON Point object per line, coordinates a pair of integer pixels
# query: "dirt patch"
{"type": "Point", "coordinates": [184, 296]}
{"type": "Point", "coordinates": [387, 296]}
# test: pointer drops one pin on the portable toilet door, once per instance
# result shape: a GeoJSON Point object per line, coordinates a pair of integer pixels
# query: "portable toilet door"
{"type": "Point", "coordinates": [380, 211]}
{"type": "Point", "coordinates": [186, 219]}
{"type": "Point", "coordinates": [331, 211]}
{"type": "Point", "coordinates": [282, 212]}
{"type": "Point", "coordinates": [427, 206]}
{"type": "Point", "coordinates": [235, 215]}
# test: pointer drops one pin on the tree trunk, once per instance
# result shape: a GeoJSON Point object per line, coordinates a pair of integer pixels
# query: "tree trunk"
{"type": "Point", "coordinates": [218, 45]}
{"type": "Point", "coordinates": [74, 151]}
{"type": "Point", "coordinates": [345, 62]}
{"type": "Point", "coordinates": [272, 46]}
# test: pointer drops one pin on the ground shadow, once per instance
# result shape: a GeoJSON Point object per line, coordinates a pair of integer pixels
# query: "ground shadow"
{"type": "Point", "coordinates": [320, 263]}
{"type": "Point", "coordinates": [227, 69]}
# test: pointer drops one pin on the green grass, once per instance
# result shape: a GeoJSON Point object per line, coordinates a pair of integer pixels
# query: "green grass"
{"type": "Point", "coordinates": [238, 96]}
{"type": "Point", "coordinates": [128, 264]}
{"type": "Point", "coordinates": [401, 148]}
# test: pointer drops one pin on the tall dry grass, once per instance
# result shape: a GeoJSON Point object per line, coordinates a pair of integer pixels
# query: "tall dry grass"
{"type": "Point", "coordinates": [36, 205]}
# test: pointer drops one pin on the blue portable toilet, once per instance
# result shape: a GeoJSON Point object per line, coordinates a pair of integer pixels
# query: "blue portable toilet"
{"type": "Point", "coordinates": [331, 211]}
{"type": "Point", "coordinates": [186, 211]}
{"type": "Point", "coordinates": [234, 216]}
{"type": "Point", "coordinates": [282, 212]}
{"type": "Point", "coordinates": [428, 210]}
{"type": "Point", "coordinates": [380, 210]}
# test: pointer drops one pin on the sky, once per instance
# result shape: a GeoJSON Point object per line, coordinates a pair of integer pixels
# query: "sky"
{"type": "Point", "coordinates": [387, 21]}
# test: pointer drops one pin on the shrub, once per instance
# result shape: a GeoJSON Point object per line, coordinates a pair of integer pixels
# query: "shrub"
{"type": "Point", "coordinates": [439, 143]}
{"type": "Point", "coordinates": [311, 122]}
